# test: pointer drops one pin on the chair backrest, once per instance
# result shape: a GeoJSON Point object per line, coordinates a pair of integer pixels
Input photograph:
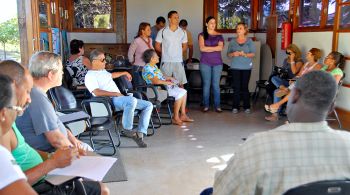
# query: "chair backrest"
{"type": "Point", "coordinates": [266, 62]}
{"type": "Point", "coordinates": [63, 98]}
{"type": "Point", "coordinates": [67, 80]}
{"type": "Point", "coordinates": [195, 80]}
{"type": "Point", "coordinates": [329, 187]}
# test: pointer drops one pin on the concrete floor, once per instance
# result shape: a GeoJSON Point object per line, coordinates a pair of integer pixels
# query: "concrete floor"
{"type": "Point", "coordinates": [183, 160]}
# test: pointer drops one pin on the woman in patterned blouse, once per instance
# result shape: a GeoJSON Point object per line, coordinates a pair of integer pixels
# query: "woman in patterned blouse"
{"type": "Point", "coordinates": [152, 75]}
{"type": "Point", "coordinates": [77, 65]}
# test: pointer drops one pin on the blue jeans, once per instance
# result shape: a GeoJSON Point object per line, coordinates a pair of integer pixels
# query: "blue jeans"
{"type": "Point", "coordinates": [129, 104]}
{"type": "Point", "coordinates": [211, 77]}
{"type": "Point", "coordinates": [277, 81]}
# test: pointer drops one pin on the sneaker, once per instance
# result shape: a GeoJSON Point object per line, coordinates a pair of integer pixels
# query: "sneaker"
{"type": "Point", "coordinates": [218, 110]}
{"type": "Point", "coordinates": [139, 141]}
{"type": "Point", "coordinates": [235, 111]}
{"type": "Point", "coordinates": [247, 111]}
{"type": "Point", "coordinates": [127, 133]}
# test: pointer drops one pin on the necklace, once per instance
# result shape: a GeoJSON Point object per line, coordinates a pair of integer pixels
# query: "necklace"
{"type": "Point", "coordinates": [148, 42]}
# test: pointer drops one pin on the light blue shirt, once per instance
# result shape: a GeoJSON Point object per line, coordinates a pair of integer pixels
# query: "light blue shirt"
{"type": "Point", "coordinates": [171, 43]}
{"type": "Point", "coordinates": [240, 62]}
{"type": "Point", "coordinates": [39, 118]}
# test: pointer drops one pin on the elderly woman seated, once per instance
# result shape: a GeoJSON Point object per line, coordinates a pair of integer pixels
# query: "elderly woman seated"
{"type": "Point", "coordinates": [152, 75]}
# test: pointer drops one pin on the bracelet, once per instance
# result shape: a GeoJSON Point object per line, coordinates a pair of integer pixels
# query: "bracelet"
{"type": "Point", "coordinates": [49, 155]}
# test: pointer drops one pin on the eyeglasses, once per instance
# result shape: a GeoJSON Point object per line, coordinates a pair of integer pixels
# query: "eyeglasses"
{"type": "Point", "coordinates": [329, 57]}
{"type": "Point", "coordinates": [18, 109]}
{"type": "Point", "coordinates": [101, 60]}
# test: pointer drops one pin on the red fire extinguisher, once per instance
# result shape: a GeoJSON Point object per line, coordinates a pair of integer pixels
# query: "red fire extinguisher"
{"type": "Point", "coordinates": [286, 34]}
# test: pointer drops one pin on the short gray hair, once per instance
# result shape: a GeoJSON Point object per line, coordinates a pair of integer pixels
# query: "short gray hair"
{"type": "Point", "coordinates": [42, 62]}
{"type": "Point", "coordinates": [95, 53]}
{"type": "Point", "coordinates": [318, 90]}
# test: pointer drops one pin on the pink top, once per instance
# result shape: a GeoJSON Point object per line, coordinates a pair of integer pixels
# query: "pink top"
{"type": "Point", "coordinates": [136, 49]}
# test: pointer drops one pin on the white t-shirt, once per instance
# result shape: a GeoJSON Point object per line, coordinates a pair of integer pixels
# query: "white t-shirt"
{"type": "Point", "coordinates": [171, 43]}
{"type": "Point", "coordinates": [100, 79]}
{"type": "Point", "coordinates": [10, 171]}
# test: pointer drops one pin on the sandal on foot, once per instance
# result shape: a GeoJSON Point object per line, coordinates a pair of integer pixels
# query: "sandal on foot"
{"type": "Point", "coordinates": [176, 122]}
{"type": "Point", "coordinates": [269, 109]}
{"type": "Point", "coordinates": [187, 119]}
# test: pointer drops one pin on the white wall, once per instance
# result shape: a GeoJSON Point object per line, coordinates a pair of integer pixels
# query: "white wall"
{"type": "Point", "coordinates": [148, 10]}
{"type": "Point", "coordinates": [93, 37]}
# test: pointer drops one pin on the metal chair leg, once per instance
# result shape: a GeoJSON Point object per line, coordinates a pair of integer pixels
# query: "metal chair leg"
{"type": "Point", "coordinates": [91, 140]}
{"type": "Point", "coordinates": [337, 118]}
{"type": "Point", "coordinates": [113, 145]}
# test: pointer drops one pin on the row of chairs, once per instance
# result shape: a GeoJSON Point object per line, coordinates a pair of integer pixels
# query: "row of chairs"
{"type": "Point", "coordinates": [103, 116]}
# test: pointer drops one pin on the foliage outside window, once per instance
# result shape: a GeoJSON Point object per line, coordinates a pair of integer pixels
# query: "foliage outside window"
{"type": "Point", "coordinates": [231, 12]}
{"type": "Point", "coordinates": [9, 39]}
{"type": "Point", "coordinates": [281, 9]}
{"type": "Point", "coordinates": [310, 13]}
{"type": "Point", "coordinates": [94, 15]}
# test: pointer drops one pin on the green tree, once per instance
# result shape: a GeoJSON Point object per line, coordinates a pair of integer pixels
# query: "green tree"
{"type": "Point", "coordinates": [9, 33]}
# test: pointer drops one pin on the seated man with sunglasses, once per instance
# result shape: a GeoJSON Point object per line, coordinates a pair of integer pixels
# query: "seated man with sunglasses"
{"type": "Point", "coordinates": [100, 83]}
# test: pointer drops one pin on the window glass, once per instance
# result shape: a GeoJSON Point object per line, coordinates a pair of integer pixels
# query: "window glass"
{"type": "Point", "coordinates": [282, 9]}
{"type": "Point", "coordinates": [310, 13]}
{"type": "Point", "coordinates": [43, 14]}
{"type": "Point", "coordinates": [264, 13]}
{"type": "Point", "coordinates": [93, 14]}
{"type": "Point", "coordinates": [331, 12]}
{"type": "Point", "coordinates": [345, 17]}
{"type": "Point", "coordinates": [231, 12]}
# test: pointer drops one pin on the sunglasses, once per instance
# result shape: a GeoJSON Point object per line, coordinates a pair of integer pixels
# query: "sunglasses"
{"type": "Point", "coordinates": [101, 60]}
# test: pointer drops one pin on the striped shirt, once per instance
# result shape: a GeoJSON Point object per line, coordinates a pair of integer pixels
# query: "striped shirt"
{"type": "Point", "coordinates": [270, 163]}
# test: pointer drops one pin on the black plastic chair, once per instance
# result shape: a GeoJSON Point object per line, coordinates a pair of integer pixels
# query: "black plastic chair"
{"type": "Point", "coordinates": [99, 123]}
{"type": "Point", "coordinates": [330, 187]}
{"type": "Point", "coordinates": [194, 85]}
{"type": "Point", "coordinates": [64, 102]}
{"type": "Point", "coordinates": [125, 86]}
{"type": "Point", "coordinates": [80, 92]}
{"type": "Point", "coordinates": [260, 84]}
{"type": "Point", "coordinates": [157, 103]}
{"type": "Point", "coordinates": [63, 99]}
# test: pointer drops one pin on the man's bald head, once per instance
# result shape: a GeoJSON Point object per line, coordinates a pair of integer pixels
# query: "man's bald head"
{"type": "Point", "coordinates": [13, 69]}
{"type": "Point", "coordinates": [23, 80]}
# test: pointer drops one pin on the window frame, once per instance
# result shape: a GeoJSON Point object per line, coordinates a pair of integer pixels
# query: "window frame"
{"type": "Point", "coordinates": [253, 5]}
{"type": "Point", "coordinates": [323, 23]}
{"type": "Point", "coordinates": [71, 20]}
{"type": "Point", "coordinates": [273, 10]}
{"type": "Point", "coordinates": [211, 8]}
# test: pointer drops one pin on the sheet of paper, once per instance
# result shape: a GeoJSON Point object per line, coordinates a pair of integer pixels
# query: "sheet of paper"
{"type": "Point", "coordinates": [91, 167]}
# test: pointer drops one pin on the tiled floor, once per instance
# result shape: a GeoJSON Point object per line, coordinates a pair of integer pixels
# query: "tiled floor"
{"type": "Point", "coordinates": [183, 160]}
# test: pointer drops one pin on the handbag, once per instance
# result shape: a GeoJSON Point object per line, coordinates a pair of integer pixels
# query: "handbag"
{"type": "Point", "coordinates": [281, 72]}
{"type": "Point", "coordinates": [73, 186]}
{"type": "Point", "coordinates": [120, 60]}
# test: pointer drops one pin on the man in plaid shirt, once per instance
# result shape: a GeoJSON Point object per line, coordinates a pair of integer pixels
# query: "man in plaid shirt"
{"type": "Point", "coordinates": [303, 151]}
